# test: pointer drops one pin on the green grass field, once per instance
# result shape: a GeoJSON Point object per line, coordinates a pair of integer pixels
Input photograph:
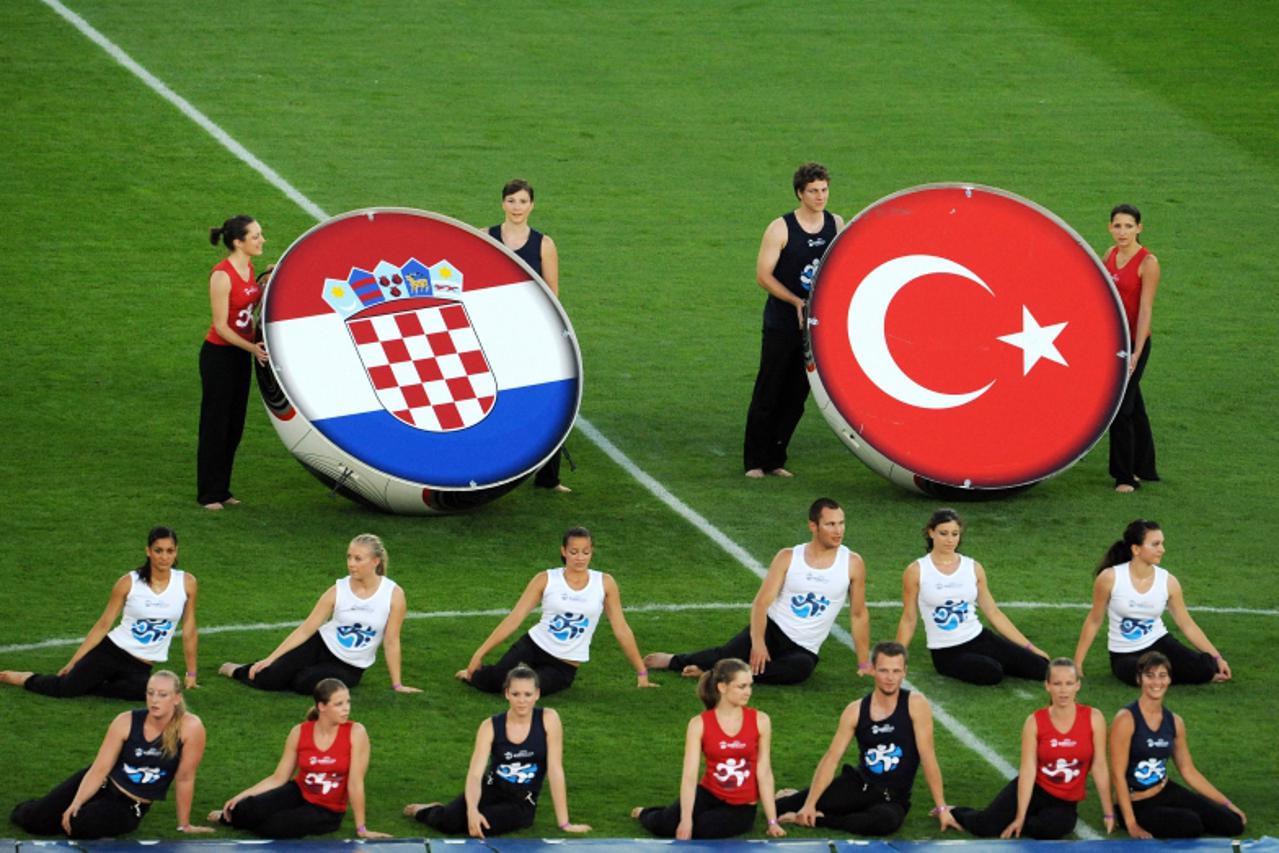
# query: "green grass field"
{"type": "Point", "coordinates": [661, 138]}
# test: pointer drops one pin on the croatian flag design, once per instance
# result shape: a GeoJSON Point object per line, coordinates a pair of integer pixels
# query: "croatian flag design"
{"type": "Point", "coordinates": [421, 348]}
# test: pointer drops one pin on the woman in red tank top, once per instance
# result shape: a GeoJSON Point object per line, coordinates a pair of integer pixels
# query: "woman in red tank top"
{"type": "Point", "coordinates": [1135, 272]}
{"type": "Point", "coordinates": [735, 739]}
{"type": "Point", "coordinates": [225, 365]}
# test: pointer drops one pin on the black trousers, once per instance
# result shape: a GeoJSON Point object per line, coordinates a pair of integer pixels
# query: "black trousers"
{"type": "Point", "coordinates": [1176, 812]}
{"type": "Point", "coordinates": [301, 669]}
{"type": "Point", "coordinates": [282, 813]}
{"type": "Point", "coordinates": [777, 402]}
{"type": "Point", "coordinates": [548, 476]}
{"type": "Point", "coordinates": [712, 817]}
{"type": "Point", "coordinates": [1047, 818]}
{"type": "Point", "coordinates": [1185, 665]}
{"type": "Point", "coordinates": [105, 670]}
{"type": "Point", "coordinates": [225, 373]}
{"type": "Point", "coordinates": [987, 658]}
{"type": "Point", "coordinates": [853, 805]}
{"type": "Point", "coordinates": [553, 674]}
{"type": "Point", "coordinates": [502, 813]}
{"type": "Point", "coordinates": [107, 813]}
{"type": "Point", "coordinates": [789, 662]}
{"type": "Point", "coordinates": [1132, 445]}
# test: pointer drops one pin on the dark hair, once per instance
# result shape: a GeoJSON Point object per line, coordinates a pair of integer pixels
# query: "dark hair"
{"type": "Point", "coordinates": [1121, 550]}
{"type": "Point", "coordinates": [940, 516]}
{"type": "Point", "coordinates": [322, 693]}
{"type": "Point", "coordinates": [1151, 660]}
{"type": "Point", "coordinates": [815, 511]}
{"type": "Point", "coordinates": [578, 532]}
{"type": "Point", "coordinates": [521, 670]}
{"type": "Point", "coordinates": [888, 648]}
{"type": "Point", "coordinates": [235, 228]}
{"type": "Point", "coordinates": [726, 669]}
{"type": "Point", "coordinates": [808, 173]}
{"type": "Point", "coordinates": [156, 533]}
{"type": "Point", "coordinates": [512, 187]}
{"type": "Point", "coordinates": [1128, 209]}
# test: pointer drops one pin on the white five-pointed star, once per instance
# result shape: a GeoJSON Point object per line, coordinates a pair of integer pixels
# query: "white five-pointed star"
{"type": "Point", "coordinates": [1035, 341]}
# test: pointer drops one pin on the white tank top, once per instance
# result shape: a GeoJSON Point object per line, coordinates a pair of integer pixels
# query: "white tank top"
{"type": "Point", "coordinates": [569, 616]}
{"type": "Point", "coordinates": [810, 599]}
{"type": "Point", "coordinates": [358, 624]}
{"type": "Point", "coordinates": [149, 619]}
{"type": "Point", "coordinates": [1136, 618]}
{"type": "Point", "coordinates": [948, 603]}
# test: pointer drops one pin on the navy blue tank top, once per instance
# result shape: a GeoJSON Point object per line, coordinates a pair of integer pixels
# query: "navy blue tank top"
{"type": "Point", "coordinates": [796, 267]}
{"type": "Point", "coordinates": [1149, 751]}
{"type": "Point", "coordinates": [530, 253]}
{"type": "Point", "coordinates": [517, 769]}
{"type": "Point", "coordinates": [889, 757]}
{"type": "Point", "coordinates": [143, 769]}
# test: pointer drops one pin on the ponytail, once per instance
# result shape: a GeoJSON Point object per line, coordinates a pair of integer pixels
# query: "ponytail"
{"type": "Point", "coordinates": [156, 533]}
{"type": "Point", "coordinates": [323, 692]}
{"type": "Point", "coordinates": [725, 670]}
{"type": "Point", "coordinates": [1121, 550]}
{"type": "Point", "coordinates": [233, 229]}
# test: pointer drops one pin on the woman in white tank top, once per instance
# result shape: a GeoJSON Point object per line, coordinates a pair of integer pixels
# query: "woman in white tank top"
{"type": "Point", "coordinates": [1133, 591]}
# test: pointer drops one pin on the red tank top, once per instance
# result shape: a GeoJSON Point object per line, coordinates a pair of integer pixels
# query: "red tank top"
{"type": "Point", "coordinates": [245, 294]}
{"type": "Point", "coordinates": [1062, 761]}
{"type": "Point", "coordinates": [1128, 283]}
{"type": "Point", "coordinates": [322, 774]}
{"type": "Point", "coordinates": [730, 761]}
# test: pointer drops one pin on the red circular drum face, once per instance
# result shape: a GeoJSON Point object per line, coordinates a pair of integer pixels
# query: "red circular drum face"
{"type": "Point", "coordinates": [422, 348]}
{"type": "Point", "coordinates": [968, 335]}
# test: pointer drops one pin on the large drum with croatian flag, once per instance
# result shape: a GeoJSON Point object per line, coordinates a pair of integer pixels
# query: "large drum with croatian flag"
{"type": "Point", "coordinates": [417, 365]}
{"type": "Point", "coordinates": [964, 341]}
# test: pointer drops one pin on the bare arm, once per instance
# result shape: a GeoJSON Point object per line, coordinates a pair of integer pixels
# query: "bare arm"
{"type": "Point", "coordinates": [1100, 774]}
{"type": "Point", "coordinates": [115, 603]}
{"type": "Point", "coordinates": [555, 772]}
{"type": "Point", "coordinates": [190, 634]}
{"type": "Point", "coordinates": [688, 778]}
{"type": "Point", "coordinates": [858, 615]}
{"type": "Point", "coordinates": [391, 641]}
{"type": "Point", "coordinates": [910, 605]}
{"type": "Point", "coordinates": [825, 772]}
{"type": "Point", "coordinates": [220, 305]}
{"type": "Point", "coordinates": [1195, 634]}
{"type": "Point", "coordinates": [476, 823]}
{"type": "Point", "coordinates": [1101, 588]}
{"type": "Point", "coordinates": [622, 631]}
{"type": "Point", "coordinates": [921, 718]}
{"type": "Point", "coordinates": [1196, 780]}
{"type": "Point", "coordinates": [319, 615]}
{"type": "Point", "coordinates": [108, 753]}
{"type": "Point", "coordinates": [996, 617]}
{"type": "Point", "coordinates": [1120, 746]}
{"type": "Point", "coordinates": [283, 771]}
{"type": "Point", "coordinates": [1025, 778]}
{"type": "Point", "coordinates": [523, 607]}
{"type": "Point", "coordinates": [1149, 273]}
{"type": "Point", "coordinates": [764, 773]}
{"type": "Point", "coordinates": [551, 265]}
{"type": "Point", "coordinates": [770, 249]}
{"type": "Point", "coordinates": [193, 738]}
{"type": "Point", "coordinates": [768, 591]}
{"type": "Point", "coordinates": [360, 750]}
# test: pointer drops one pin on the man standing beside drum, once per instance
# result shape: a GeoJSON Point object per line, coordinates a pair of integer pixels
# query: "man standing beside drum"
{"type": "Point", "coordinates": [793, 245]}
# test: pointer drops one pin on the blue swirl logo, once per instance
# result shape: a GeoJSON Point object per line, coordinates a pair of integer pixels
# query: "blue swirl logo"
{"type": "Point", "coordinates": [883, 758]}
{"type": "Point", "coordinates": [1149, 772]}
{"type": "Point", "coordinates": [517, 773]}
{"type": "Point", "coordinates": [147, 631]}
{"type": "Point", "coordinates": [807, 275]}
{"type": "Point", "coordinates": [950, 615]}
{"type": "Point", "coordinates": [568, 626]}
{"type": "Point", "coordinates": [808, 604]}
{"type": "Point", "coordinates": [355, 636]}
{"type": "Point", "coordinates": [1135, 629]}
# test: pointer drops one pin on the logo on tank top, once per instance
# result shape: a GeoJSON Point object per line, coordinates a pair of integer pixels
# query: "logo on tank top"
{"type": "Point", "coordinates": [732, 744]}
{"type": "Point", "coordinates": [517, 772]}
{"type": "Point", "coordinates": [568, 626]}
{"type": "Point", "coordinates": [808, 605]}
{"type": "Point", "coordinates": [950, 614]}
{"type": "Point", "coordinates": [732, 772]}
{"type": "Point", "coordinates": [1067, 770]}
{"type": "Point", "coordinates": [148, 631]}
{"type": "Point", "coordinates": [882, 728]}
{"type": "Point", "coordinates": [323, 781]}
{"type": "Point", "coordinates": [322, 759]}
{"type": "Point", "coordinates": [883, 758]}
{"type": "Point", "coordinates": [143, 775]}
{"type": "Point", "coordinates": [1156, 743]}
{"type": "Point", "coordinates": [1135, 629]}
{"type": "Point", "coordinates": [807, 275]}
{"type": "Point", "coordinates": [148, 752]}
{"type": "Point", "coordinates": [355, 636]}
{"type": "Point", "coordinates": [1149, 772]}
{"type": "Point", "coordinates": [1063, 742]}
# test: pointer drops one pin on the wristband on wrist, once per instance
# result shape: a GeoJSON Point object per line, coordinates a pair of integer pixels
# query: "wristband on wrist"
{"type": "Point", "coordinates": [641, 673]}
{"type": "Point", "coordinates": [361, 829]}
{"type": "Point", "coordinates": [1217, 658]}
{"type": "Point", "coordinates": [565, 825]}
{"type": "Point", "coordinates": [864, 665]}
{"type": "Point", "coordinates": [1030, 646]}
{"type": "Point", "coordinates": [1228, 804]}
{"type": "Point", "coordinates": [1107, 817]}
{"type": "Point", "coordinates": [938, 810]}
{"type": "Point", "coordinates": [190, 673]}
{"type": "Point", "coordinates": [772, 821]}
{"type": "Point", "coordinates": [396, 686]}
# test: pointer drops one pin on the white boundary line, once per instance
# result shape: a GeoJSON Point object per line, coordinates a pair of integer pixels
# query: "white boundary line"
{"type": "Point", "coordinates": [961, 732]}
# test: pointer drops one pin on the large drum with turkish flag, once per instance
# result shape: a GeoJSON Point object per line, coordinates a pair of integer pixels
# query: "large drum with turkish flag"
{"type": "Point", "coordinates": [965, 341]}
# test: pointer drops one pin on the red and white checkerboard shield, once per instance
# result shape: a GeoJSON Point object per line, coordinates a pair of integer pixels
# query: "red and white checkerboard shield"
{"type": "Point", "coordinates": [426, 364]}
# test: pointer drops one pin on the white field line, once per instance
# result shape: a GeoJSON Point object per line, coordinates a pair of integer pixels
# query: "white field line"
{"type": "Point", "coordinates": [657, 489]}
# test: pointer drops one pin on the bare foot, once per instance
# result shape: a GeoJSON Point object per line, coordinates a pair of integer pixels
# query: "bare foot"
{"type": "Point", "coordinates": [232, 502]}
{"type": "Point", "coordinates": [786, 792]}
{"type": "Point", "coordinates": [215, 816]}
{"type": "Point", "coordinates": [635, 812]}
{"type": "Point", "coordinates": [780, 472]}
{"type": "Point", "coordinates": [462, 675]}
{"type": "Point", "coordinates": [786, 817]}
{"type": "Point", "coordinates": [561, 489]}
{"type": "Point", "coordinates": [412, 809]}
{"type": "Point", "coordinates": [214, 507]}
{"type": "Point", "coordinates": [1125, 489]}
{"type": "Point", "coordinates": [692, 671]}
{"type": "Point", "coordinates": [657, 660]}
{"type": "Point", "coordinates": [755, 473]}
{"type": "Point", "coordinates": [17, 679]}
{"type": "Point", "coordinates": [228, 669]}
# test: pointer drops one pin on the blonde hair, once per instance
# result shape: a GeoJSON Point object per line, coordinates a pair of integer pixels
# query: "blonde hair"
{"type": "Point", "coordinates": [374, 543]}
{"type": "Point", "coordinates": [171, 737]}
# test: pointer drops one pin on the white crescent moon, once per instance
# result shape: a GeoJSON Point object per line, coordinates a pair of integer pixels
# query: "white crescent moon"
{"type": "Point", "coordinates": [866, 315]}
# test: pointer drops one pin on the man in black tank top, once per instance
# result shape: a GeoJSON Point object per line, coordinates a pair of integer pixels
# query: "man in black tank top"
{"type": "Point", "coordinates": [793, 245]}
